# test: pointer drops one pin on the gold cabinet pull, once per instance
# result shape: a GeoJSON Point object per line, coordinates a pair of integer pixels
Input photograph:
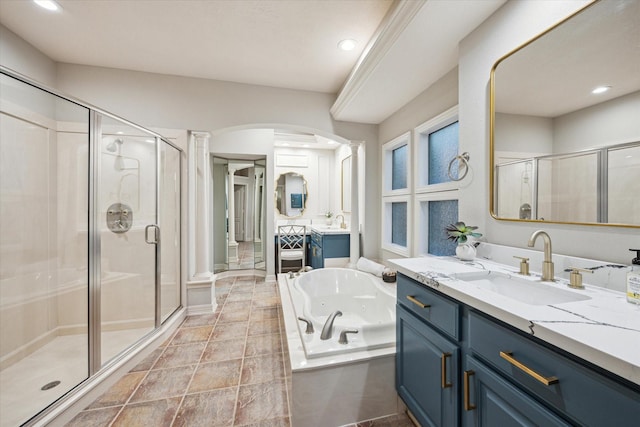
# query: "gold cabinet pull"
{"type": "Point", "coordinates": [416, 302]}
{"type": "Point", "coordinates": [467, 403]}
{"type": "Point", "coordinates": [443, 365]}
{"type": "Point", "coordinates": [508, 356]}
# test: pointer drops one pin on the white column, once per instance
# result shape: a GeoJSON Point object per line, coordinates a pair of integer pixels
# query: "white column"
{"type": "Point", "coordinates": [231, 212]}
{"type": "Point", "coordinates": [354, 247]}
{"type": "Point", "coordinates": [201, 296]}
{"type": "Point", "coordinates": [203, 179]}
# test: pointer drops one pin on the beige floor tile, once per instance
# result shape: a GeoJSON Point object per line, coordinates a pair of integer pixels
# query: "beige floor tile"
{"type": "Point", "coordinates": [270, 326]}
{"type": "Point", "coordinates": [261, 402]}
{"type": "Point", "coordinates": [163, 383]}
{"type": "Point", "coordinates": [180, 355]}
{"type": "Point", "coordinates": [95, 418]}
{"type": "Point", "coordinates": [258, 345]}
{"type": "Point", "coordinates": [227, 331]}
{"type": "Point", "coordinates": [262, 369]}
{"type": "Point", "coordinates": [210, 376]}
{"type": "Point", "coordinates": [223, 350]}
{"type": "Point", "coordinates": [200, 320]}
{"type": "Point", "coordinates": [119, 393]}
{"type": "Point", "coordinates": [264, 313]}
{"type": "Point", "coordinates": [209, 409]}
{"type": "Point", "coordinates": [155, 413]}
{"type": "Point", "coordinates": [149, 361]}
{"type": "Point", "coordinates": [190, 335]}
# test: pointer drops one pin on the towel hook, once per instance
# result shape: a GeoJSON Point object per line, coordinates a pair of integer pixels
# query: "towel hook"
{"type": "Point", "coordinates": [464, 158]}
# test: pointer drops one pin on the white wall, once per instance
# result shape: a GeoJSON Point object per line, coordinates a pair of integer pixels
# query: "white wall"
{"type": "Point", "coordinates": [512, 25]}
{"type": "Point", "coordinates": [18, 55]}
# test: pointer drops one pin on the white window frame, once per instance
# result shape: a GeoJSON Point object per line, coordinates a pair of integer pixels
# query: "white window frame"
{"type": "Point", "coordinates": [387, 165]}
{"type": "Point", "coordinates": [387, 226]}
{"type": "Point", "coordinates": [421, 149]}
{"type": "Point", "coordinates": [421, 243]}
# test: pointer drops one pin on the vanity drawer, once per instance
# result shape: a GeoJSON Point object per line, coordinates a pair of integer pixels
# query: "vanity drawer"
{"type": "Point", "coordinates": [441, 312]}
{"type": "Point", "coordinates": [588, 397]}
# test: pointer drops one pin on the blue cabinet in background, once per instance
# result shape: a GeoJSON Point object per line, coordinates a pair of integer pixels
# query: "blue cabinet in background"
{"type": "Point", "coordinates": [325, 246]}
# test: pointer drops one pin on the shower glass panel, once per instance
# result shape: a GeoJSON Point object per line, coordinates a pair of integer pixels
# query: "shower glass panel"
{"type": "Point", "coordinates": [568, 188]}
{"type": "Point", "coordinates": [623, 185]}
{"type": "Point", "coordinates": [44, 352]}
{"type": "Point", "coordinates": [127, 214]}
{"type": "Point", "coordinates": [260, 215]}
{"type": "Point", "coordinates": [170, 229]}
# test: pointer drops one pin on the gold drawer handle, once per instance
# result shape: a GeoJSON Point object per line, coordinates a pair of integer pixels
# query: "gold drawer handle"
{"type": "Point", "coordinates": [467, 401]}
{"type": "Point", "coordinates": [443, 365]}
{"type": "Point", "coordinates": [508, 356]}
{"type": "Point", "coordinates": [416, 302]}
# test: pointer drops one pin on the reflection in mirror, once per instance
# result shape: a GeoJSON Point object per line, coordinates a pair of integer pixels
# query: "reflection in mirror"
{"type": "Point", "coordinates": [346, 184]}
{"type": "Point", "coordinates": [240, 221]}
{"type": "Point", "coordinates": [291, 194]}
{"type": "Point", "coordinates": [559, 151]}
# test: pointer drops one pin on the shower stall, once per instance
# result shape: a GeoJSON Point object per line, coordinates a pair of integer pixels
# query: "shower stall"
{"type": "Point", "coordinates": [89, 243]}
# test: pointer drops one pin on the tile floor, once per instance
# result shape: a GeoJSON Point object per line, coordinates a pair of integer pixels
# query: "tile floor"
{"type": "Point", "coordinates": [228, 368]}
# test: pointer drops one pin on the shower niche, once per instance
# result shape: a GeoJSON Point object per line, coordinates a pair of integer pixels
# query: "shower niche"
{"type": "Point", "coordinates": [85, 278]}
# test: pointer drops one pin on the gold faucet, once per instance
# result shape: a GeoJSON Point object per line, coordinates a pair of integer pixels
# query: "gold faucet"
{"type": "Point", "coordinates": [342, 224]}
{"type": "Point", "coordinates": [547, 264]}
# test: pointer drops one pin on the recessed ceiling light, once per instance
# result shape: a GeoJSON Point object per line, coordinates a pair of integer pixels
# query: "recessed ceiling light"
{"type": "Point", "coordinates": [331, 142]}
{"type": "Point", "coordinates": [347, 44]}
{"type": "Point", "coordinates": [285, 144]}
{"type": "Point", "coordinates": [306, 145]}
{"type": "Point", "coordinates": [600, 89]}
{"type": "Point", "coordinates": [47, 4]}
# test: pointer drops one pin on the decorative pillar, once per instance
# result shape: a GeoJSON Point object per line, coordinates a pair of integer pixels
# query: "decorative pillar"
{"type": "Point", "coordinates": [354, 247]}
{"type": "Point", "coordinates": [200, 290]}
{"type": "Point", "coordinates": [231, 216]}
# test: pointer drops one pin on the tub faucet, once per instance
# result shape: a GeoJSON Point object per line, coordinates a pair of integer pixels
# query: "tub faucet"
{"type": "Point", "coordinates": [328, 325]}
{"type": "Point", "coordinates": [342, 223]}
{"type": "Point", "coordinates": [547, 264]}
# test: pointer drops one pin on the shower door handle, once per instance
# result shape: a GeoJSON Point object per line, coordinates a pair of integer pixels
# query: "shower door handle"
{"type": "Point", "coordinates": [156, 234]}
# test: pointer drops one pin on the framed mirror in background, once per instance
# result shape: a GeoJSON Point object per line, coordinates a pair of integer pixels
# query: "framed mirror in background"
{"type": "Point", "coordinates": [564, 131]}
{"type": "Point", "coordinates": [345, 180]}
{"type": "Point", "coordinates": [291, 194]}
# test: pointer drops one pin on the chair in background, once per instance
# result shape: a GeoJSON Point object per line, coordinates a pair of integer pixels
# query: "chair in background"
{"type": "Point", "coordinates": [291, 244]}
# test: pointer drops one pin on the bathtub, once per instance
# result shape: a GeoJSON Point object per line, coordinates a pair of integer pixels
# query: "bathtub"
{"type": "Point", "coordinates": [366, 305]}
{"type": "Point", "coordinates": [335, 384]}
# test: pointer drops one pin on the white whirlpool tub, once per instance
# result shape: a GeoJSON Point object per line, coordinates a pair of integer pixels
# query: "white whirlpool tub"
{"type": "Point", "coordinates": [335, 384]}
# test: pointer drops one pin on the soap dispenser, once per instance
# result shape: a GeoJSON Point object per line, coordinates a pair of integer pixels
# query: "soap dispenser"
{"type": "Point", "coordinates": [633, 280]}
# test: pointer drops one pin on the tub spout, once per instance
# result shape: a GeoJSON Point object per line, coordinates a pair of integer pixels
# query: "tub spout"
{"type": "Point", "coordinates": [328, 326]}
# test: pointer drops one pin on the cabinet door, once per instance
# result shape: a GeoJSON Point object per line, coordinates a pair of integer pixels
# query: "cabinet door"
{"type": "Point", "coordinates": [489, 401]}
{"type": "Point", "coordinates": [427, 367]}
{"type": "Point", "coordinates": [316, 255]}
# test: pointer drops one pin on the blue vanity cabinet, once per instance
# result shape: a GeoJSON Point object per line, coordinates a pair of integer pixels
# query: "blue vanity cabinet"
{"type": "Point", "coordinates": [427, 366]}
{"type": "Point", "coordinates": [325, 246]}
{"type": "Point", "coordinates": [506, 377]}
{"type": "Point", "coordinates": [489, 401]}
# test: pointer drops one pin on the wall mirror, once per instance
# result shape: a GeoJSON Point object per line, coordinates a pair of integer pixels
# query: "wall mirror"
{"type": "Point", "coordinates": [346, 184]}
{"type": "Point", "coordinates": [565, 127]}
{"type": "Point", "coordinates": [291, 194]}
{"type": "Point", "coordinates": [239, 213]}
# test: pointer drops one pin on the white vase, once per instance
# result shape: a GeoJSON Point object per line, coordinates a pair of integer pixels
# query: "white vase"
{"type": "Point", "coordinates": [466, 251]}
{"type": "Point", "coordinates": [329, 221]}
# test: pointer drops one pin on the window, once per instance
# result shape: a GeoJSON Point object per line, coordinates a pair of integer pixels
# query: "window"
{"type": "Point", "coordinates": [399, 223]}
{"type": "Point", "coordinates": [396, 154]}
{"type": "Point", "coordinates": [434, 214]}
{"type": "Point", "coordinates": [437, 146]}
{"type": "Point", "coordinates": [396, 231]}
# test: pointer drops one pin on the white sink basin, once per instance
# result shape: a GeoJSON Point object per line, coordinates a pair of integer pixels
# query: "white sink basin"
{"type": "Point", "coordinates": [526, 291]}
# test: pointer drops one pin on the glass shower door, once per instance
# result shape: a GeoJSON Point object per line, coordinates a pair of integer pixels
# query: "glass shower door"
{"type": "Point", "coordinates": [127, 218]}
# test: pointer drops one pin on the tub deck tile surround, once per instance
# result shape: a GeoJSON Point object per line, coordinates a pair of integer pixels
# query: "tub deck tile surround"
{"type": "Point", "coordinates": [228, 368]}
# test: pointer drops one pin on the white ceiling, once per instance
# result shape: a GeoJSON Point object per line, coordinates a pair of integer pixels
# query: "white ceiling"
{"type": "Point", "coordinates": [280, 43]}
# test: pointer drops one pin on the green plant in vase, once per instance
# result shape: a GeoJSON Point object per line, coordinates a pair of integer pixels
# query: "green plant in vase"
{"type": "Point", "coordinates": [460, 233]}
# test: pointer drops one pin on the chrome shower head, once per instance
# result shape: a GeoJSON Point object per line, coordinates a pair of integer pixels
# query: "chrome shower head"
{"type": "Point", "coordinates": [113, 146]}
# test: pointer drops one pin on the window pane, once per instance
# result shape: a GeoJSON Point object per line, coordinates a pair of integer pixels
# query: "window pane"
{"type": "Point", "coordinates": [399, 223]}
{"type": "Point", "coordinates": [441, 214]}
{"type": "Point", "coordinates": [443, 146]}
{"type": "Point", "coordinates": [399, 168]}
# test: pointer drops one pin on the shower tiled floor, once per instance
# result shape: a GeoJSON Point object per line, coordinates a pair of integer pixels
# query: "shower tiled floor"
{"type": "Point", "coordinates": [223, 369]}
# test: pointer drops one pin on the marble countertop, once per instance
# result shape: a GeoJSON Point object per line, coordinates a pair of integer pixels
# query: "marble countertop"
{"type": "Point", "coordinates": [329, 229]}
{"type": "Point", "coordinates": [604, 330]}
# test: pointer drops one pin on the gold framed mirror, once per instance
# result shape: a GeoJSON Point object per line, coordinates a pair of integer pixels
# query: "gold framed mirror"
{"type": "Point", "coordinates": [291, 194]}
{"type": "Point", "coordinates": [564, 127]}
